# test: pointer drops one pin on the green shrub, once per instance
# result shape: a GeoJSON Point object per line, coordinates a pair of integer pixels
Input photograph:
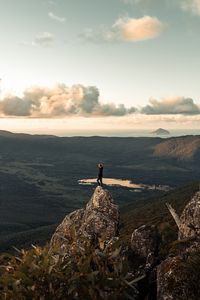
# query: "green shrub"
{"type": "Point", "coordinates": [88, 273]}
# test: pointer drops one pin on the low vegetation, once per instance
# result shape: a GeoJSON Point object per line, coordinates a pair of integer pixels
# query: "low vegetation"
{"type": "Point", "coordinates": [153, 211]}
{"type": "Point", "coordinates": [88, 273]}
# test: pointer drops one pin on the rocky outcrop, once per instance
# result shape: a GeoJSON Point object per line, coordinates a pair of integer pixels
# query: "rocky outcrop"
{"type": "Point", "coordinates": [190, 219]}
{"type": "Point", "coordinates": [176, 278]}
{"type": "Point", "coordinates": [173, 282]}
{"type": "Point", "coordinates": [97, 222]}
{"type": "Point", "coordinates": [144, 243]}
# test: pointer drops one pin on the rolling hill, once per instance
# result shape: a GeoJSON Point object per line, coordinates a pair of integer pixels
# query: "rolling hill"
{"type": "Point", "coordinates": [181, 148]}
{"type": "Point", "coordinates": [39, 177]}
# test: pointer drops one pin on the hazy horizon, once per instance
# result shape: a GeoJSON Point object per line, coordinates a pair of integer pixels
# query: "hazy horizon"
{"type": "Point", "coordinates": [106, 65]}
{"type": "Point", "coordinates": [117, 133]}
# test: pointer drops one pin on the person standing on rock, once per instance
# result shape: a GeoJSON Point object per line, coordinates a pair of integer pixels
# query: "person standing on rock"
{"type": "Point", "coordinates": [100, 174]}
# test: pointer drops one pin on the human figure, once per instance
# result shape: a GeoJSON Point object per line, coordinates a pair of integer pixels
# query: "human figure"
{"type": "Point", "coordinates": [100, 174]}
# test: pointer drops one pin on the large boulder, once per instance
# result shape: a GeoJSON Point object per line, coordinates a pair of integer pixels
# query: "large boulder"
{"type": "Point", "coordinates": [144, 243]}
{"type": "Point", "coordinates": [190, 218]}
{"type": "Point", "coordinates": [98, 221]}
{"type": "Point", "coordinates": [178, 278]}
{"type": "Point", "coordinates": [178, 275]}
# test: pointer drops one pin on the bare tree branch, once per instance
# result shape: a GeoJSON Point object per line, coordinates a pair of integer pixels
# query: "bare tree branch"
{"type": "Point", "coordinates": [174, 215]}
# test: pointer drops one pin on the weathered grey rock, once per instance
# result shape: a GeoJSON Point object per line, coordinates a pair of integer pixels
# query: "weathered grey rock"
{"type": "Point", "coordinates": [99, 220]}
{"type": "Point", "coordinates": [63, 236]}
{"type": "Point", "coordinates": [144, 242]}
{"type": "Point", "coordinates": [175, 281]}
{"type": "Point", "coordinates": [190, 218]}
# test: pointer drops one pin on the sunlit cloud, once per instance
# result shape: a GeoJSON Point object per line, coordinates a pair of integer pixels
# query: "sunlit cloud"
{"type": "Point", "coordinates": [60, 101]}
{"type": "Point", "coordinates": [56, 18]}
{"type": "Point", "coordinates": [173, 106]}
{"type": "Point", "coordinates": [127, 30]}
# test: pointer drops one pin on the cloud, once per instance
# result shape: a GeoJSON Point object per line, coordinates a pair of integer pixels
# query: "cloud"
{"type": "Point", "coordinates": [139, 29]}
{"type": "Point", "coordinates": [43, 39]}
{"type": "Point", "coordinates": [60, 101]}
{"type": "Point", "coordinates": [173, 106]}
{"type": "Point", "coordinates": [56, 18]}
{"type": "Point", "coordinates": [83, 101]}
{"type": "Point", "coordinates": [191, 5]}
{"type": "Point", "coordinates": [15, 106]}
{"type": "Point", "coordinates": [127, 30]}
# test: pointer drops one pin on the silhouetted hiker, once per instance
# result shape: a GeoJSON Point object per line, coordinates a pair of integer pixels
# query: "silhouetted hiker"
{"type": "Point", "coordinates": [100, 174]}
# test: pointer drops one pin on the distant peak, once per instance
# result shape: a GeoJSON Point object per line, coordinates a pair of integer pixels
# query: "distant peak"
{"type": "Point", "coordinates": [161, 131]}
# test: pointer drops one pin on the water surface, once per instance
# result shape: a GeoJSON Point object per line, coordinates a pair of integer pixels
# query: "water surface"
{"type": "Point", "coordinates": [124, 183]}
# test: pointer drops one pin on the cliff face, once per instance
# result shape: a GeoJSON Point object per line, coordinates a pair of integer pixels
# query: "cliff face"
{"type": "Point", "coordinates": [174, 278]}
{"type": "Point", "coordinates": [98, 221]}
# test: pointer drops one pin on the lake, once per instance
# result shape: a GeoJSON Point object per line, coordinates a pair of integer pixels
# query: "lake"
{"type": "Point", "coordinates": [124, 183]}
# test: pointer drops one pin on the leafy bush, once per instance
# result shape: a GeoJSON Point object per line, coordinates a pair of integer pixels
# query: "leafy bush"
{"type": "Point", "coordinates": [88, 273]}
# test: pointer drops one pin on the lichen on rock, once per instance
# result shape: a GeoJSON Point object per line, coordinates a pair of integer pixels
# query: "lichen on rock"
{"type": "Point", "coordinates": [144, 243]}
{"type": "Point", "coordinates": [99, 220]}
{"type": "Point", "coordinates": [176, 277]}
{"type": "Point", "coordinates": [190, 218]}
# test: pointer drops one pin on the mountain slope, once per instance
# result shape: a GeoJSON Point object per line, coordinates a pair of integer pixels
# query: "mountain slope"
{"type": "Point", "coordinates": [153, 211]}
{"type": "Point", "coordinates": [149, 211]}
{"type": "Point", "coordinates": [183, 148]}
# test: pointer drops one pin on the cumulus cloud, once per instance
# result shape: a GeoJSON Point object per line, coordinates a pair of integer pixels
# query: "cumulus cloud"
{"type": "Point", "coordinates": [139, 29]}
{"type": "Point", "coordinates": [15, 106]}
{"type": "Point", "coordinates": [127, 30]}
{"type": "Point", "coordinates": [60, 101]}
{"type": "Point", "coordinates": [56, 18]}
{"type": "Point", "coordinates": [173, 106]}
{"type": "Point", "coordinates": [78, 100]}
{"type": "Point", "coordinates": [191, 5]}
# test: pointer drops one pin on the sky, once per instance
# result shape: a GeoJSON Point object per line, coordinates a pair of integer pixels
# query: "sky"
{"type": "Point", "coordinates": [74, 66]}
